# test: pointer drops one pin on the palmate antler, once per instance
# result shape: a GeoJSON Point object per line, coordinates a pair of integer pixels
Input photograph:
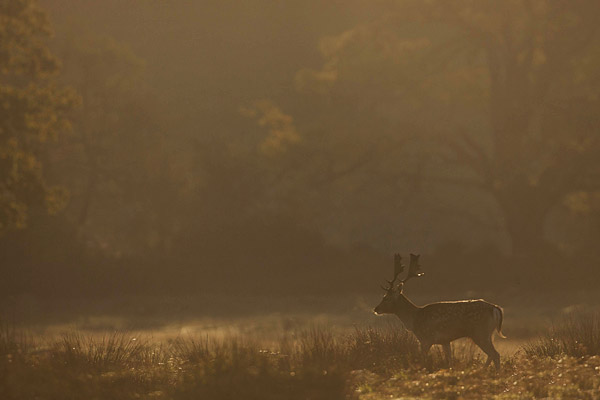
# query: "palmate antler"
{"type": "Point", "coordinates": [413, 270]}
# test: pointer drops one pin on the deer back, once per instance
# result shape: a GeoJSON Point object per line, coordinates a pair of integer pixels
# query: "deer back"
{"type": "Point", "coordinates": [446, 321]}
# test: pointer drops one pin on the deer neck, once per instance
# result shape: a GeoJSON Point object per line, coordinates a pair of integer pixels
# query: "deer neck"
{"type": "Point", "coordinates": [406, 310]}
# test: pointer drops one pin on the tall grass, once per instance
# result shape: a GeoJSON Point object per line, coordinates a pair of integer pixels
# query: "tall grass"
{"type": "Point", "coordinates": [312, 363]}
{"type": "Point", "coordinates": [576, 335]}
{"type": "Point", "coordinates": [12, 341]}
{"type": "Point", "coordinates": [383, 350]}
{"type": "Point", "coordinates": [115, 349]}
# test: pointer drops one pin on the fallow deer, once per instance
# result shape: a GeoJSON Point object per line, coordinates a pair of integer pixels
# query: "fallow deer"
{"type": "Point", "coordinates": [442, 322]}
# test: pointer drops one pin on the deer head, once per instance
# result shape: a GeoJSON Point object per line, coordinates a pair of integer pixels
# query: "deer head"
{"type": "Point", "coordinates": [394, 297]}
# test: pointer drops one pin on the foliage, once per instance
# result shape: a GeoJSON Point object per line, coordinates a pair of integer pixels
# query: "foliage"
{"type": "Point", "coordinates": [119, 160]}
{"type": "Point", "coordinates": [34, 112]}
{"type": "Point", "coordinates": [497, 101]}
{"type": "Point", "coordinates": [425, 121]}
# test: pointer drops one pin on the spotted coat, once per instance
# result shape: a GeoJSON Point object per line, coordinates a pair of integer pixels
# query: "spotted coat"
{"type": "Point", "coordinates": [443, 322]}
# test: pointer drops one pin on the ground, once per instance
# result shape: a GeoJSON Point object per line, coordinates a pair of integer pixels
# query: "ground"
{"type": "Point", "coordinates": [290, 355]}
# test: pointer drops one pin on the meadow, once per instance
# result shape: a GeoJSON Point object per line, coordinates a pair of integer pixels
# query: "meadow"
{"type": "Point", "coordinates": [285, 356]}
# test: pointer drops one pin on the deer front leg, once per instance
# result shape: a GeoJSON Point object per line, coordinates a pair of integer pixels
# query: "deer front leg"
{"type": "Point", "coordinates": [448, 353]}
{"type": "Point", "coordinates": [425, 346]}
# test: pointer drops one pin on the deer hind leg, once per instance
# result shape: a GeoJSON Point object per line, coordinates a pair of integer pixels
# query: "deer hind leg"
{"type": "Point", "coordinates": [488, 348]}
{"type": "Point", "coordinates": [448, 352]}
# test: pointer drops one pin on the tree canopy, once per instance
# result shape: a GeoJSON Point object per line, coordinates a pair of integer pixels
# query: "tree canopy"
{"type": "Point", "coordinates": [33, 113]}
{"type": "Point", "coordinates": [499, 98]}
{"type": "Point", "coordinates": [465, 130]}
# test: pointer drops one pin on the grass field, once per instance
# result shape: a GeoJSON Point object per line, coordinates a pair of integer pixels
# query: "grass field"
{"type": "Point", "coordinates": [291, 357]}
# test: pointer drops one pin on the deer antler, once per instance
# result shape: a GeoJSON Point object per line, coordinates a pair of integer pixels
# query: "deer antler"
{"type": "Point", "coordinates": [413, 268]}
{"type": "Point", "coordinates": [398, 269]}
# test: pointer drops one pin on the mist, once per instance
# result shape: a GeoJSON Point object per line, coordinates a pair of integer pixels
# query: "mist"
{"type": "Point", "coordinates": [252, 172]}
{"type": "Point", "coordinates": [293, 148]}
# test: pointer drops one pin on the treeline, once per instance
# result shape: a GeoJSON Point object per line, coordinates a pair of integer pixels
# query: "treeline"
{"type": "Point", "coordinates": [465, 131]}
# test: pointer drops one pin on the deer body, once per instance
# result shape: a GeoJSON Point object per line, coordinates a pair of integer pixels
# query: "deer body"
{"type": "Point", "coordinates": [444, 322]}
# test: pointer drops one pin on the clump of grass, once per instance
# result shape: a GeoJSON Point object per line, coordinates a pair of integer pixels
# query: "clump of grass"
{"type": "Point", "coordinates": [318, 349]}
{"type": "Point", "coordinates": [115, 349]}
{"type": "Point", "coordinates": [191, 349]}
{"type": "Point", "coordinates": [383, 350]}
{"type": "Point", "coordinates": [376, 350]}
{"type": "Point", "coordinates": [576, 335]}
{"type": "Point", "coordinates": [236, 368]}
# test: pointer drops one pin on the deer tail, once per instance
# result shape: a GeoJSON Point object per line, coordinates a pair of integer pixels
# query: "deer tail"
{"type": "Point", "coordinates": [498, 317]}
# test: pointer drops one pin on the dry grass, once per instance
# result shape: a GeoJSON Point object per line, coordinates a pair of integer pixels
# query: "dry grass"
{"type": "Point", "coordinates": [304, 363]}
{"type": "Point", "coordinates": [576, 335]}
{"type": "Point", "coordinates": [312, 363]}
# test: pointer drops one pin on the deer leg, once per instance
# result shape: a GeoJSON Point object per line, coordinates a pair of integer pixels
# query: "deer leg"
{"type": "Point", "coordinates": [425, 348]}
{"type": "Point", "coordinates": [448, 352]}
{"type": "Point", "coordinates": [486, 345]}
{"type": "Point", "coordinates": [425, 352]}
